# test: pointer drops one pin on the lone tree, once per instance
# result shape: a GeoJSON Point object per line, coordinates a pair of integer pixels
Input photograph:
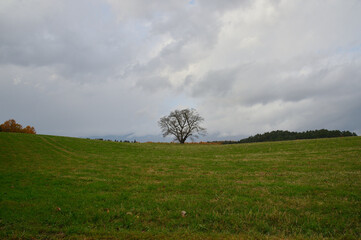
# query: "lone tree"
{"type": "Point", "coordinates": [182, 124]}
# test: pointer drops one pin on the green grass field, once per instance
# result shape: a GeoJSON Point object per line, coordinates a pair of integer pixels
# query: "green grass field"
{"type": "Point", "coordinates": [69, 188]}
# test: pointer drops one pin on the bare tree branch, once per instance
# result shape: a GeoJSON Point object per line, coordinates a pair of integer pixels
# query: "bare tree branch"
{"type": "Point", "coordinates": [182, 124]}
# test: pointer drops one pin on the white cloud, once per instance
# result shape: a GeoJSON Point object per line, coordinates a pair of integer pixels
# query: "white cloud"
{"type": "Point", "coordinates": [115, 67]}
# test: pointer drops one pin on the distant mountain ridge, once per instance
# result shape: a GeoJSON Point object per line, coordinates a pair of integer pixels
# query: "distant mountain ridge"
{"type": "Point", "coordinates": [158, 138]}
{"type": "Point", "coordinates": [131, 137]}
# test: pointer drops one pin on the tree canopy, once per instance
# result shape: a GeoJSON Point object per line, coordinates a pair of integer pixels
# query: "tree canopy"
{"type": "Point", "coordinates": [182, 124]}
{"type": "Point", "coordinates": [12, 126]}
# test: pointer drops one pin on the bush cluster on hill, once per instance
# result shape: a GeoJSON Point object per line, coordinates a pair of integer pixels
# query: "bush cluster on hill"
{"type": "Point", "coordinates": [281, 135]}
{"type": "Point", "coordinates": [12, 126]}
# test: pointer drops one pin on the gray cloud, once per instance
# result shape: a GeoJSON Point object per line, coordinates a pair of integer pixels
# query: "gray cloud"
{"type": "Point", "coordinates": [115, 67]}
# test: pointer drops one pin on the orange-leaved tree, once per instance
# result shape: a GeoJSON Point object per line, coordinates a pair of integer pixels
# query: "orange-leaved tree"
{"type": "Point", "coordinates": [12, 126]}
{"type": "Point", "coordinates": [29, 129]}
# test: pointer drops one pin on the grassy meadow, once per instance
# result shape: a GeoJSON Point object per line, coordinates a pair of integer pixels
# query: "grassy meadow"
{"type": "Point", "coordinates": [69, 188]}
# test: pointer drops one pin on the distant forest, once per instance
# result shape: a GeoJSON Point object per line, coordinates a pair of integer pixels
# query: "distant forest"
{"type": "Point", "coordinates": [280, 135]}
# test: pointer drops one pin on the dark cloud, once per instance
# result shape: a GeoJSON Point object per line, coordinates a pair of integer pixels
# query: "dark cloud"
{"type": "Point", "coordinates": [217, 83]}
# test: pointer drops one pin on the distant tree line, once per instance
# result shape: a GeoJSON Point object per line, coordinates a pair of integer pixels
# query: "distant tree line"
{"type": "Point", "coordinates": [109, 140]}
{"type": "Point", "coordinates": [281, 135]}
{"type": "Point", "coordinates": [12, 126]}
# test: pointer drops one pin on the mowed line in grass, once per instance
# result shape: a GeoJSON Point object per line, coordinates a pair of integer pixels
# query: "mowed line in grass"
{"type": "Point", "coordinates": [294, 189]}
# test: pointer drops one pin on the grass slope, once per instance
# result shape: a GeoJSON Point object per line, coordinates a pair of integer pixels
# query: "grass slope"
{"type": "Point", "coordinates": [60, 187]}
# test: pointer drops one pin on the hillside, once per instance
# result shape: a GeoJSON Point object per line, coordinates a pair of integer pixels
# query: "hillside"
{"type": "Point", "coordinates": [60, 187]}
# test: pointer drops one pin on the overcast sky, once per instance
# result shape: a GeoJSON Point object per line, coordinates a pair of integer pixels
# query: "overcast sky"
{"type": "Point", "coordinates": [98, 67]}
